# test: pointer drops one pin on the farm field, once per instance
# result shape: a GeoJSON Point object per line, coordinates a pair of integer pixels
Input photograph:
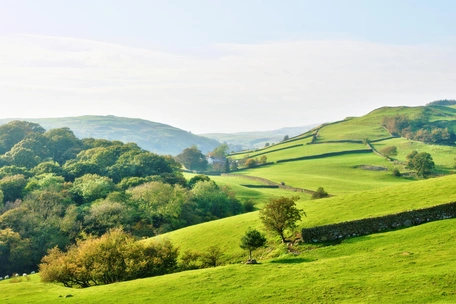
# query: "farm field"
{"type": "Point", "coordinates": [312, 149]}
{"type": "Point", "coordinates": [337, 175]}
{"type": "Point", "coordinates": [443, 156]}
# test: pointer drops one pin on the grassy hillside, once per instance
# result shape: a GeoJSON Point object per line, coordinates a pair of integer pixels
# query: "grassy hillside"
{"type": "Point", "coordinates": [152, 136]}
{"type": "Point", "coordinates": [239, 185]}
{"type": "Point", "coordinates": [382, 201]}
{"type": "Point", "coordinates": [413, 265]}
{"type": "Point", "coordinates": [330, 163]}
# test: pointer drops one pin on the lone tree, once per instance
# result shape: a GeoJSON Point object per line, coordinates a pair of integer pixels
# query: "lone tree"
{"type": "Point", "coordinates": [280, 214]}
{"type": "Point", "coordinates": [421, 162]}
{"type": "Point", "coordinates": [252, 240]}
{"type": "Point", "coordinates": [389, 151]}
{"type": "Point", "coordinates": [320, 193]}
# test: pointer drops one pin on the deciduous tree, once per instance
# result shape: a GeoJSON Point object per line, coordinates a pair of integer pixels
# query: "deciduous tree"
{"type": "Point", "coordinates": [281, 214]}
{"type": "Point", "coordinates": [252, 240]}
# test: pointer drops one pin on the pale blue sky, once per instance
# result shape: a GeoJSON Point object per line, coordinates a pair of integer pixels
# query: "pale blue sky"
{"type": "Point", "coordinates": [225, 66]}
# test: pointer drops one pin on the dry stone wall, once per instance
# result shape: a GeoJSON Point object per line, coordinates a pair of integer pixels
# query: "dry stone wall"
{"type": "Point", "coordinates": [378, 224]}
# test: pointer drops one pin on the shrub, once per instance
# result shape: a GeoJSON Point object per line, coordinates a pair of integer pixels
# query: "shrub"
{"type": "Point", "coordinates": [396, 172]}
{"type": "Point", "coordinates": [114, 257]}
{"type": "Point", "coordinates": [320, 193]}
{"type": "Point", "coordinates": [212, 257]}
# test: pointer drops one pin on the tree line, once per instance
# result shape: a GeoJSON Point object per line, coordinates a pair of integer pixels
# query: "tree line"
{"type": "Point", "coordinates": [418, 128]}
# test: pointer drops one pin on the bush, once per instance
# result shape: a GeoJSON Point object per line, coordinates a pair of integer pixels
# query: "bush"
{"type": "Point", "coordinates": [248, 205]}
{"type": "Point", "coordinates": [212, 257]}
{"type": "Point", "coordinates": [396, 172]}
{"type": "Point", "coordinates": [320, 193]}
{"type": "Point", "coordinates": [114, 257]}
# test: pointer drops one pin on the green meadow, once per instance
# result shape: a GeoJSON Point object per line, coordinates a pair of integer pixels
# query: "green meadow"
{"type": "Point", "coordinates": [337, 175]}
{"type": "Point", "coordinates": [414, 265]}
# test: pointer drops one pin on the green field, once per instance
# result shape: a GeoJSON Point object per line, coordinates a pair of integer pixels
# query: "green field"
{"type": "Point", "coordinates": [227, 232]}
{"type": "Point", "coordinates": [414, 265]}
{"type": "Point", "coordinates": [257, 195]}
{"type": "Point", "coordinates": [337, 175]}
{"type": "Point", "coordinates": [443, 156]}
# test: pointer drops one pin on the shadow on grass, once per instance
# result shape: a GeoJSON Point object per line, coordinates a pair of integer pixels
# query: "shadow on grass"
{"type": "Point", "coordinates": [292, 261]}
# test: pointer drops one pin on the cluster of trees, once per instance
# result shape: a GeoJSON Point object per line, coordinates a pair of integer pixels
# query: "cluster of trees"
{"type": "Point", "coordinates": [252, 162]}
{"type": "Point", "coordinates": [422, 162]}
{"type": "Point", "coordinates": [418, 129]}
{"type": "Point", "coordinates": [56, 189]}
{"type": "Point", "coordinates": [279, 216]}
{"type": "Point", "coordinates": [114, 257]}
{"type": "Point", "coordinates": [215, 161]}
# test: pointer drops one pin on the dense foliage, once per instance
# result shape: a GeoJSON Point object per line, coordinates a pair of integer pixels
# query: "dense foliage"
{"type": "Point", "coordinates": [114, 257]}
{"type": "Point", "coordinates": [418, 128]}
{"type": "Point", "coordinates": [280, 215]}
{"type": "Point", "coordinates": [422, 162]}
{"type": "Point", "coordinates": [251, 240]}
{"type": "Point", "coordinates": [56, 189]}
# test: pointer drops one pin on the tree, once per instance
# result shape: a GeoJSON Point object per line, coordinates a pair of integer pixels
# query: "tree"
{"type": "Point", "coordinates": [423, 164]}
{"type": "Point", "coordinates": [389, 151]}
{"type": "Point", "coordinates": [193, 159]}
{"type": "Point", "coordinates": [286, 137]}
{"type": "Point", "coordinates": [92, 186]}
{"type": "Point", "coordinates": [263, 159]}
{"type": "Point", "coordinates": [196, 179]}
{"type": "Point", "coordinates": [320, 193]}
{"type": "Point", "coordinates": [211, 258]}
{"type": "Point", "coordinates": [252, 240]}
{"type": "Point", "coordinates": [250, 163]}
{"type": "Point", "coordinates": [13, 187]}
{"type": "Point", "coordinates": [218, 157]}
{"type": "Point", "coordinates": [114, 257]}
{"type": "Point", "coordinates": [280, 214]}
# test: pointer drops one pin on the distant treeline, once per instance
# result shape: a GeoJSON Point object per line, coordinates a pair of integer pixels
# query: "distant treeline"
{"type": "Point", "coordinates": [419, 128]}
{"type": "Point", "coordinates": [442, 102]}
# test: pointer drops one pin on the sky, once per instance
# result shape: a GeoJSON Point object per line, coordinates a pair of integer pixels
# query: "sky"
{"type": "Point", "coordinates": [210, 66]}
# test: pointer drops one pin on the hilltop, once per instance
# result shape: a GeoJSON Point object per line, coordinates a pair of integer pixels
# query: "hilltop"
{"type": "Point", "coordinates": [152, 136]}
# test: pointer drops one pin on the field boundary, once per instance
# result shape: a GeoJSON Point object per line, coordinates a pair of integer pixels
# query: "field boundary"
{"type": "Point", "coordinates": [372, 225]}
{"type": "Point", "coordinates": [329, 154]}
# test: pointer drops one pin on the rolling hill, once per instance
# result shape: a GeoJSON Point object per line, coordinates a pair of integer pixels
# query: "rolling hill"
{"type": "Point", "coordinates": [152, 136]}
{"type": "Point", "coordinates": [412, 265]}
{"type": "Point", "coordinates": [251, 140]}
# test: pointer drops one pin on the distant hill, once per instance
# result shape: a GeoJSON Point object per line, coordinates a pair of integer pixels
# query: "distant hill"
{"type": "Point", "coordinates": [152, 136]}
{"type": "Point", "coordinates": [250, 140]}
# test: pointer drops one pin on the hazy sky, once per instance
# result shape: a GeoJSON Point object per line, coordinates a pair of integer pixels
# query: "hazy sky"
{"type": "Point", "coordinates": [224, 66]}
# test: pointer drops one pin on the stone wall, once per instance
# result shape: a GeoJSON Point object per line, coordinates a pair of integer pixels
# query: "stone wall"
{"type": "Point", "coordinates": [378, 224]}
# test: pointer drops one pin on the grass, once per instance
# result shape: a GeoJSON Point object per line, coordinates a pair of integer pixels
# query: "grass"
{"type": "Point", "coordinates": [337, 175]}
{"type": "Point", "coordinates": [270, 149]}
{"type": "Point", "coordinates": [227, 232]}
{"type": "Point", "coordinates": [414, 265]}
{"type": "Point", "coordinates": [314, 149]}
{"type": "Point", "coordinates": [443, 156]}
{"type": "Point", "coordinates": [257, 195]}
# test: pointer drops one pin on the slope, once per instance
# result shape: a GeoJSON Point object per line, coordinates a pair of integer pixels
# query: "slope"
{"type": "Point", "coordinates": [413, 265]}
